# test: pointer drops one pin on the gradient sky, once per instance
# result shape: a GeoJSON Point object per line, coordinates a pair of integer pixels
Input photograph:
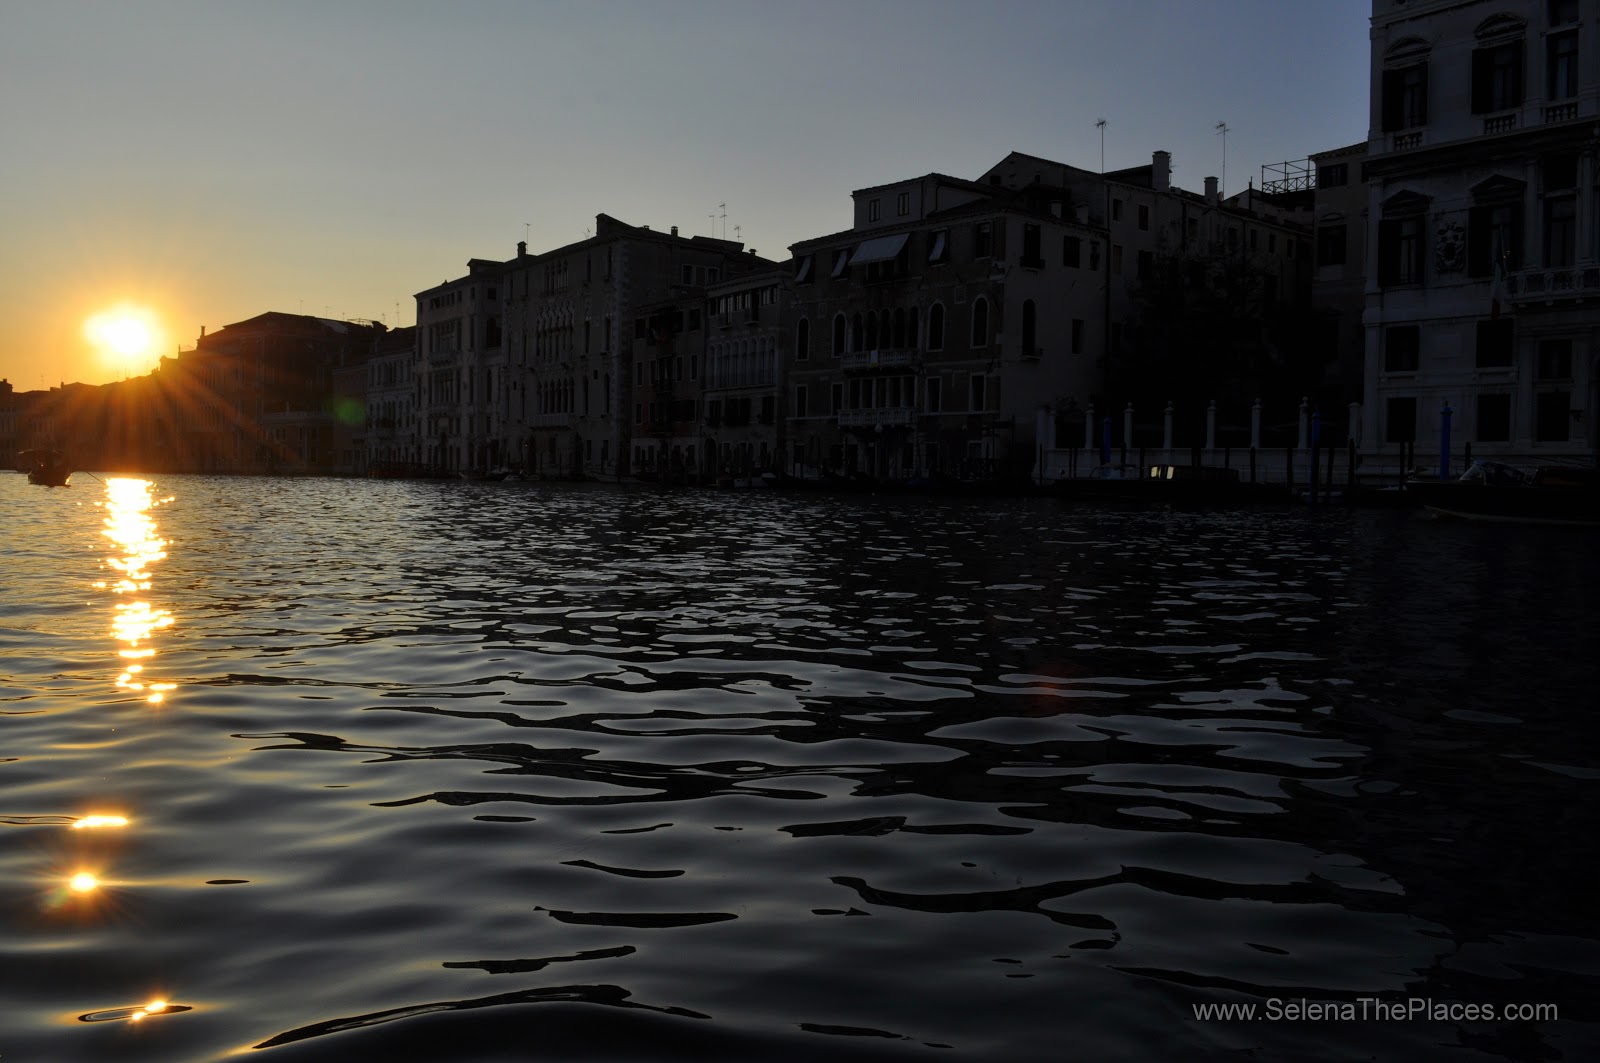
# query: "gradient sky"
{"type": "Point", "coordinates": [208, 162]}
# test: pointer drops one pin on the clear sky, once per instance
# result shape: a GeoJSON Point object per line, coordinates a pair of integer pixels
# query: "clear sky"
{"type": "Point", "coordinates": [178, 164]}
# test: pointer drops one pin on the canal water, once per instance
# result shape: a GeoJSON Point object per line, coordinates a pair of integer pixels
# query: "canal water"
{"type": "Point", "coordinates": [317, 769]}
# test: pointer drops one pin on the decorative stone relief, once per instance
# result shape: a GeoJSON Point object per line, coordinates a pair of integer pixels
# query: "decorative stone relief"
{"type": "Point", "coordinates": [1450, 244]}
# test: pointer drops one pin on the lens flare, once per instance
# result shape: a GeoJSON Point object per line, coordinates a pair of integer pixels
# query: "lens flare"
{"type": "Point", "coordinates": [83, 882]}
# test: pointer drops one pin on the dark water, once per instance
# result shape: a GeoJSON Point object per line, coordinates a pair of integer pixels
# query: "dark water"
{"type": "Point", "coordinates": [485, 772]}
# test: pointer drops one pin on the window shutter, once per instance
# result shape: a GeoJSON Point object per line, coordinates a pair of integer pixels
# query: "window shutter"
{"type": "Point", "coordinates": [1480, 255]}
{"type": "Point", "coordinates": [1517, 69]}
{"type": "Point", "coordinates": [1482, 79]}
{"type": "Point", "coordinates": [1388, 251]}
{"type": "Point", "coordinates": [1392, 116]}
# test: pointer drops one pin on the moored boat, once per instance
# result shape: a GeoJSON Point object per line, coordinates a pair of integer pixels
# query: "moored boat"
{"type": "Point", "coordinates": [46, 467]}
{"type": "Point", "coordinates": [1491, 491]}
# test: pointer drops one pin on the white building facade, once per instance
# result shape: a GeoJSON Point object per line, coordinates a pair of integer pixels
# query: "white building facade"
{"type": "Point", "coordinates": [1483, 257]}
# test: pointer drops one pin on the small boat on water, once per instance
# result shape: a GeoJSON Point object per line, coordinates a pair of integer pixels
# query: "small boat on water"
{"type": "Point", "coordinates": [1492, 491]}
{"type": "Point", "coordinates": [45, 467]}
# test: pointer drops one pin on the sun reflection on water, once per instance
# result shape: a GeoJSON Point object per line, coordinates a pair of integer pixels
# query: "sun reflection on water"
{"type": "Point", "coordinates": [135, 621]}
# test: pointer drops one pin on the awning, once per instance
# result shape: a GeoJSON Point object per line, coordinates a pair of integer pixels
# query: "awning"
{"type": "Point", "coordinates": [803, 274]}
{"type": "Point", "coordinates": [881, 249]}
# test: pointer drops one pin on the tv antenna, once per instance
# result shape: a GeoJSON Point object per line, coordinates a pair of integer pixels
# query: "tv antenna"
{"type": "Point", "coordinates": [1101, 125]}
{"type": "Point", "coordinates": [1222, 130]}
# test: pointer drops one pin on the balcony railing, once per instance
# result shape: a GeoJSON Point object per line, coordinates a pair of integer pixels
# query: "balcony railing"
{"type": "Point", "coordinates": [878, 359]}
{"type": "Point", "coordinates": [1500, 123]}
{"type": "Point", "coordinates": [1547, 285]}
{"type": "Point", "coordinates": [1402, 141]}
{"type": "Point", "coordinates": [889, 416]}
{"type": "Point", "coordinates": [1561, 112]}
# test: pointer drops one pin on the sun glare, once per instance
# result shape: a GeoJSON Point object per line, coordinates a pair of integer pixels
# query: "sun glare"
{"type": "Point", "coordinates": [126, 337]}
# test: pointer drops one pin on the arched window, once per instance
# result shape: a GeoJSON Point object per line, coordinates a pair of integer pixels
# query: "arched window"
{"type": "Point", "coordinates": [980, 322]}
{"type": "Point", "coordinates": [936, 327]}
{"type": "Point", "coordinates": [898, 331]}
{"type": "Point", "coordinates": [872, 333]}
{"type": "Point", "coordinates": [838, 334]}
{"type": "Point", "coordinates": [802, 340]}
{"type": "Point", "coordinates": [1030, 337]}
{"type": "Point", "coordinates": [911, 327]}
{"type": "Point", "coordinates": [857, 331]}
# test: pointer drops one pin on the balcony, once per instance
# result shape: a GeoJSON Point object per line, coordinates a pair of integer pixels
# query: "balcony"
{"type": "Point", "coordinates": [550, 420]}
{"type": "Point", "coordinates": [1500, 123]}
{"type": "Point", "coordinates": [879, 359]}
{"type": "Point", "coordinates": [1551, 285]}
{"type": "Point", "coordinates": [1561, 112]}
{"type": "Point", "coordinates": [885, 417]}
{"type": "Point", "coordinates": [1402, 141]}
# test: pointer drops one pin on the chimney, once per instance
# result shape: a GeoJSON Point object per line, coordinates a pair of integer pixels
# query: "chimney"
{"type": "Point", "coordinates": [522, 249]}
{"type": "Point", "coordinates": [1161, 170]}
{"type": "Point", "coordinates": [1211, 190]}
{"type": "Point", "coordinates": [674, 230]}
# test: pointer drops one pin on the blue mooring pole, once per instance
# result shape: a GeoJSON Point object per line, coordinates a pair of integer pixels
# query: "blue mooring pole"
{"type": "Point", "coordinates": [1444, 442]}
{"type": "Point", "coordinates": [1105, 442]}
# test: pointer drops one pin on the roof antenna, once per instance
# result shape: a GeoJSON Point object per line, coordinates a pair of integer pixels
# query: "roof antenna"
{"type": "Point", "coordinates": [1101, 125]}
{"type": "Point", "coordinates": [1222, 128]}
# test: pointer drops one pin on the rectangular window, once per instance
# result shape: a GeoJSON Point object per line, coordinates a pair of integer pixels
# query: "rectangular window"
{"type": "Point", "coordinates": [1400, 420]}
{"type": "Point", "coordinates": [1116, 210]}
{"type": "Point", "coordinates": [837, 395]}
{"type": "Point", "coordinates": [1071, 251]}
{"type": "Point", "coordinates": [800, 400]}
{"type": "Point", "coordinates": [939, 251]}
{"type": "Point", "coordinates": [1561, 65]}
{"type": "Point", "coordinates": [1405, 97]}
{"type": "Point", "coordinates": [872, 210]}
{"type": "Point", "coordinates": [802, 272]}
{"type": "Point", "coordinates": [902, 204]}
{"type": "Point", "coordinates": [1032, 256]}
{"type": "Point", "coordinates": [1494, 238]}
{"type": "Point", "coordinates": [1497, 77]}
{"type": "Point", "coordinates": [1494, 419]}
{"type": "Point", "coordinates": [1333, 175]}
{"type": "Point", "coordinates": [982, 239]}
{"type": "Point", "coordinates": [841, 263]}
{"type": "Point", "coordinates": [1552, 417]}
{"type": "Point", "coordinates": [975, 400]}
{"type": "Point", "coordinates": [1331, 245]}
{"type": "Point", "coordinates": [1400, 251]}
{"type": "Point", "coordinates": [1094, 254]}
{"type": "Point", "coordinates": [1077, 335]}
{"type": "Point", "coordinates": [1495, 343]}
{"type": "Point", "coordinates": [1145, 265]}
{"type": "Point", "coordinates": [1401, 348]}
{"type": "Point", "coordinates": [1144, 217]}
{"type": "Point", "coordinates": [1560, 231]}
{"type": "Point", "coordinates": [1555, 360]}
{"type": "Point", "coordinates": [1563, 12]}
{"type": "Point", "coordinates": [933, 395]}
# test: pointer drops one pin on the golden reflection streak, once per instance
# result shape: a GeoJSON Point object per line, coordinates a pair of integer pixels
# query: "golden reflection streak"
{"type": "Point", "coordinates": [90, 822]}
{"type": "Point", "coordinates": [135, 622]}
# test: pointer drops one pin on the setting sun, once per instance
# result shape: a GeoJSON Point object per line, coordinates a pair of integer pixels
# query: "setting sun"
{"type": "Point", "coordinates": [125, 337]}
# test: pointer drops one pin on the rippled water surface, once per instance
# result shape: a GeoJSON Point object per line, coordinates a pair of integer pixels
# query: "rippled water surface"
{"type": "Point", "coordinates": [481, 772]}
